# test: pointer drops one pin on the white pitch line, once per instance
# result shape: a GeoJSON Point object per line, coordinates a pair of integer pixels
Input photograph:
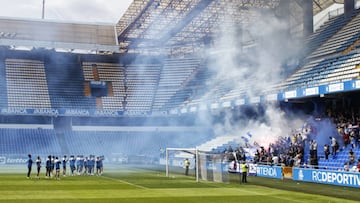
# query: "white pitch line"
{"type": "Point", "coordinates": [123, 181]}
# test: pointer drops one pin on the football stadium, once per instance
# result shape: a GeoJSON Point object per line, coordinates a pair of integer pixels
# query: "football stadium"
{"type": "Point", "coordinates": [184, 101]}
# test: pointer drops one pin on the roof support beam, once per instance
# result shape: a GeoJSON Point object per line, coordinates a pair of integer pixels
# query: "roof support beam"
{"type": "Point", "coordinates": [133, 23]}
{"type": "Point", "coordinates": [191, 15]}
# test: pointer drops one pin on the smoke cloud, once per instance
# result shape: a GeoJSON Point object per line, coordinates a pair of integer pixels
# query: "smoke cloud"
{"type": "Point", "coordinates": [248, 59]}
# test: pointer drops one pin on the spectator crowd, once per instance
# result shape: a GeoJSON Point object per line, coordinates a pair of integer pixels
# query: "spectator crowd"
{"type": "Point", "coordinates": [300, 148]}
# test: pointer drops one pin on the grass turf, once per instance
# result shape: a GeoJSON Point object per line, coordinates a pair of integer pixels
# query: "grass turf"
{"type": "Point", "coordinates": [140, 185]}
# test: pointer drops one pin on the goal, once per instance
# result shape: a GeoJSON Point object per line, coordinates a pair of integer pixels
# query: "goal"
{"type": "Point", "coordinates": [203, 165]}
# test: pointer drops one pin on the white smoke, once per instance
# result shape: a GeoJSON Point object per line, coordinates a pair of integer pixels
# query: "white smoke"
{"type": "Point", "coordinates": [252, 70]}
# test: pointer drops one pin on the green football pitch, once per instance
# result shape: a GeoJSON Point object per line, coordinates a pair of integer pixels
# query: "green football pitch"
{"type": "Point", "coordinates": [131, 184]}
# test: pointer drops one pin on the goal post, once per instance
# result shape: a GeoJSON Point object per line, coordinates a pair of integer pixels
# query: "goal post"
{"type": "Point", "coordinates": [203, 165]}
{"type": "Point", "coordinates": [190, 151]}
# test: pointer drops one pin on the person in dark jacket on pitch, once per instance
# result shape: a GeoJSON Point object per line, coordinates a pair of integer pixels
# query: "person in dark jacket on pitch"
{"type": "Point", "coordinates": [29, 165]}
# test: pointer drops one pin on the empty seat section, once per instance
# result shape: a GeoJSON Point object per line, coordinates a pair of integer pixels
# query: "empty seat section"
{"type": "Point", "coordinates": [342, 39]}
{"type": "Point", "coordinates": [3, 92]}
{"type": "Point", "coordinates": [66, 86]}
{"type": "Point", "coordinates": [173, 78]}
{"type": "Point", "coordinates": [141, 82]}
{"type": "Point", "coordinates": [324, 71]}
{"type": "Point", "coordinates": [25, 141]}
{"type": "Point", "coordinates": [109, 72]}
{"type": "Point", "coordinates": [26, 84]}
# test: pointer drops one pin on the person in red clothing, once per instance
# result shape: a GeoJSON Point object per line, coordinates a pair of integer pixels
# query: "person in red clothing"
{"type": "Point", "coordinates": [358, 166]}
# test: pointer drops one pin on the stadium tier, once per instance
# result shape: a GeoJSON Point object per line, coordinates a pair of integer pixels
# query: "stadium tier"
{"type": "Point", "coordinates": [113, 73]}
{"type": "Point", "coordinates": [337, 162]}
{"type": "Point", "coordinates": [26, 84]}
{"type": "Point", "coordinates": [141, 82]}
{"type": "Point", "coordinates": [175, 75]}
{"type": "Point", "coordinates": [327, 30]}
{"type": "Point", "coordinates": [324, 71]}
{"type": "Point", "coordinates": [66, 84]}
{"type": "Point", "coordinates": [342, 40]}
{"type": "Point", "coordinates": [23, 141]}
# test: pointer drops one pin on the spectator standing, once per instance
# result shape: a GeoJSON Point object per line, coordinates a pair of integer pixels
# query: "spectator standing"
{"type": "Point", "coordinates": [313, 149]}
{"type": "Point", "coordinates": [351, 157]}
{"type": "Point", "coordinates": [333, 146]}
{"type": "Point", "coordinates": [352, 139]}
{"type": "Point", "coordinates": [275, 160]}
{"type": "Point", "coordinates": [326, 151]}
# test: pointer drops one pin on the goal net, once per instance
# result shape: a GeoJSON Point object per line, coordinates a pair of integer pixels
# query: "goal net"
{"type": "Point", "coordinates": [203, 165]}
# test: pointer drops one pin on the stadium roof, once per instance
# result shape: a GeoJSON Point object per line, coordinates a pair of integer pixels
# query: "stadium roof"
{"type": "Point", "coordinates": [186, 24]}
{"type": "Point", "coordinates": [319, 5]}
{"type": "Point", "coordinates": [149, 24]}
{"type": "Point", "coordinates": [57, 35]}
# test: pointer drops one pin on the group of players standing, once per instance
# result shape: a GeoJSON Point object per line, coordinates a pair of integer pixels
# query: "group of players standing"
{"type": "Point", "coordinates": [79, 165]}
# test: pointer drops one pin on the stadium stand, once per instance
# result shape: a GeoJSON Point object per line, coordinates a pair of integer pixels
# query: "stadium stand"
{"type": "Point", "coordinates": [329, 29]}
{"type": "Point", "coordinates": [113, 73]}
{"type": "Point", "coordinates": [332, 56]}
{"type": "Point", "coordinates": [175, 75]}
{"type": "Point", "coordinates": [65, 84]}
{"type": "Point", "coordinates": [219, 144]}
{"type": "Point", "coordinates": [337, 162]}
{"type": "Point", "coordinates": [341, 40]}
{"type": "Point", "coordinates": [3, 93]}
{"type": "Point", "coordinates": [26, 84]}
{"type": "Point", "coordinates": [323, 71]}
{"type": "Point", "coordinates": [141, 82]}
{"type": "Point", "coordinates": [23, 141]}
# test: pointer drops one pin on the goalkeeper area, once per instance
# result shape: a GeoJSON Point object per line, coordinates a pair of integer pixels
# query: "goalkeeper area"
{"type": "Point", "coordinates": [150, 184]}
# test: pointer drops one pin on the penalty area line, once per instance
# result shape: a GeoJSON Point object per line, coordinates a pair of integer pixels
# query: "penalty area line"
{"type": "Point", "coordinates": [123, 181]}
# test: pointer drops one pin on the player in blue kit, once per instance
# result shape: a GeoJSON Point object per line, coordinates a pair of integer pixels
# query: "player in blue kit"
{"type": "Point", "coordinates": [78, 164]}
{"type": "Point", "coordinates": [86, 165]}
{"type": "Point", "coordinates": [91, 164]}
{"type": "Point", "coordinates": [72, 164]}
{"type": "Point", "coordinates": [98, 166]}
{"type": "Point", "coordinates": [48, 167]}
{"type": "Point", "coordinates": [102, 158]}
{"type": "Point", "coordinates": [57, 168]}
{"type": "Point", "coordinates": [38, 166]}
{"type": "Point", "coordinates": [52, 165]}
{"type": "Point", "coordinates": [64, 161]}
